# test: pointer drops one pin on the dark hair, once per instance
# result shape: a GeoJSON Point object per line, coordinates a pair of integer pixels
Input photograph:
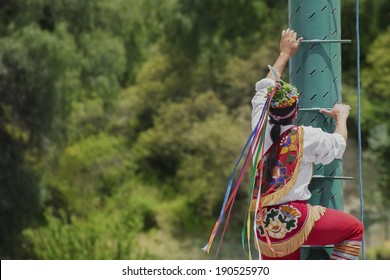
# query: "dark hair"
{"type": "Point", "coordinates": [271, 158]}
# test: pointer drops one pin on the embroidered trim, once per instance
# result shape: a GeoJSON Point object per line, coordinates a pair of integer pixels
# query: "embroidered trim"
{"type": "Point", "coordinates": [275, 197]}
{"type": "Point", "coordinates": [347, 250]}
{"type": "Point", "coordinates": [344, 256]}
{"type": "Point", "coordinates": [278, 118]}
{"type": "Point", "coordinates": [278, 222]}
{"type": "Point", "coordinates": [292, 244]}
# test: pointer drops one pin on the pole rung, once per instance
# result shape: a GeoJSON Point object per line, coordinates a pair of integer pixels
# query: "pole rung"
{"type": "Point", "coordinates": [317, 246]}
{"type": "Point", "coordinates": [318, 41]}
{"type": "Point", "coordinates": [332, 177]}
{"type": "Point", "coordinates": [313, 109]}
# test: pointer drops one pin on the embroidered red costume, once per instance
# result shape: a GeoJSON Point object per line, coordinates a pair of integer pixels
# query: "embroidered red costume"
{"type": "Point", "coordinates": [285, 225]}
{"type": "Point", "coordinates": [284, 220]}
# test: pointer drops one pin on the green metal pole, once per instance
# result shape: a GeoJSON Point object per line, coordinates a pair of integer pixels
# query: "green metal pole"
{"type": "Point", "coordinates": [316, 71]}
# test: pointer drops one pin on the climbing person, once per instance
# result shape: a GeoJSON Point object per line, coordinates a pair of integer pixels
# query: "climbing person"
{"type": "Point", "coordinates": [284, 220]}
{"type": "Point", "coordinates": [282, 156]}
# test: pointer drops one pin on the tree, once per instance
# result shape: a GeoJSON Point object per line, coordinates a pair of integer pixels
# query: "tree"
{"type": "Point", "coordinates": [376, 79]}
{"type": "Point", "coordinates": [38, 75]}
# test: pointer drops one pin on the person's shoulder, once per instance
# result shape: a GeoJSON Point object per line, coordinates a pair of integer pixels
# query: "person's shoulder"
{"type": "Point", "coordinates": [316, 132]}
{"type": "Point", "coordinates": [311, 130]}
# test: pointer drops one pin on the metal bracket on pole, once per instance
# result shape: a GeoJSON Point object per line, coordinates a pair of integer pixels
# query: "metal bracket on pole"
{"type": "Point", "coordinates": [318, 41]}
{"type": "Point", "coordinates": [332, 177]}
{"type": "Point", "coordinates": [313, 109]}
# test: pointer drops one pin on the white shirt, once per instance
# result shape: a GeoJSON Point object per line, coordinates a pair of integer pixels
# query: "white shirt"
{"type": "Point", "coordinates": [318, 146]}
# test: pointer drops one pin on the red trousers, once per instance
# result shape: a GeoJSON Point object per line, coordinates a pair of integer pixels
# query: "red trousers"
{"type": "Point", "coordinates": [335, 227]}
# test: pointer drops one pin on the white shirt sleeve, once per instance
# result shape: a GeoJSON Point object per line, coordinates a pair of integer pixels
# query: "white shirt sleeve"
{"type": "Point", "coordinates": [322, 147]}
{"type": "Point", "coordinates": [259, 99]}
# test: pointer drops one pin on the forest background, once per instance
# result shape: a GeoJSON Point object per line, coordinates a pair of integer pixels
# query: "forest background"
{"type": "Point", "coordinates": [121, 120]}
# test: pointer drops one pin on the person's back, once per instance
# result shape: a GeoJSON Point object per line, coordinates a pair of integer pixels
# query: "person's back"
{"type": "Point", "coordinates": [318, 146]}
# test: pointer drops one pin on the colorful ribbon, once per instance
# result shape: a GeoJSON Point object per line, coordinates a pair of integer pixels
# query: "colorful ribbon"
{"type": "Point", "coordinates": [256, 145]}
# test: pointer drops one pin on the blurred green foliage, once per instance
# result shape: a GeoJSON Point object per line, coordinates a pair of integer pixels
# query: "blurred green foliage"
{"type": "Point", "coordinates": [121, 119]}
{"type": "Point", "coordinates": [380, 252]}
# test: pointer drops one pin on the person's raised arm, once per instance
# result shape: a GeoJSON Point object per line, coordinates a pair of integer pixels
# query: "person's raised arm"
{"type": "Point", "coordinates": [288, 46]}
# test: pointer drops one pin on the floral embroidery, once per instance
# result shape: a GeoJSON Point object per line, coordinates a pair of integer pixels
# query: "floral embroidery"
{"type": "Point", "coordinates": [290, 144]}
{"type": "Point", "coordinates": [279, 176]}
{"type": "Point", "coordinates": [283, 172]}
{"type": "Point", "coordinates": [285, 165]}
{"type": "Point", "coordinates": [279, 221]}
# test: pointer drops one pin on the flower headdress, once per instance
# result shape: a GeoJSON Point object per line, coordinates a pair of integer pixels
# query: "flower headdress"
{"type": "Point", "coordinates": [285, 96]}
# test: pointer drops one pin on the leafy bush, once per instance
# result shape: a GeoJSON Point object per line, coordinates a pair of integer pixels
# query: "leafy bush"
{"type": "Point", "coordinates": [379, 253]}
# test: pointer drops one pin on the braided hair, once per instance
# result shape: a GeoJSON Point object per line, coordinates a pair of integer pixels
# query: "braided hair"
{"type": "Point", "coordinates": [272, 157]}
